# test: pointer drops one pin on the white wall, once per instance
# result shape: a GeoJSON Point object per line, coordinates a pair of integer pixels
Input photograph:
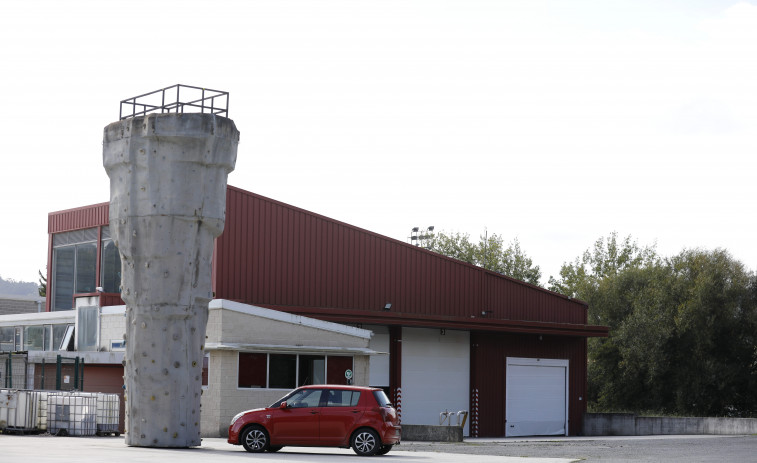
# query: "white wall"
{"type": "Point", "coordinates": [435, 374]}
{"type": "Point", "coordinates": [379, 373]}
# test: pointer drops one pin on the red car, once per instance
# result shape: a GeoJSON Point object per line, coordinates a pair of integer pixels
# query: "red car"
{"type": "Point", "coordinates": [321, 416]}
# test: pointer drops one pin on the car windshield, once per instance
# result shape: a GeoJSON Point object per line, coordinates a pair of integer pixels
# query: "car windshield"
{"type": "Point", "coordinates": [382, 399]}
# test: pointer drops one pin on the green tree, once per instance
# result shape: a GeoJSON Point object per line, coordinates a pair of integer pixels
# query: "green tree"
{"type": "Point", "coordinates": [490, 253]}
{"type": "Point", "coordinates": [682, 329]}
{"type": "Point", "coordinates": [42, 289]}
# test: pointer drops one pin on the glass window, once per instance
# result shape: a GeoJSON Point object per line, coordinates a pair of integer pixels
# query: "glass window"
{"type": "Point", "coordinates": [7, 338]}
{"type": "Point", "coordinates": [59, 332]}
{"type": "Point", "coordinates": [86, 331]}
{"type": "Point", "coordinates": [312, 370]}
{"type": "Point", "coordinates": [110, 273]}
{"type": "Point", "coordinates": [86, 267]}
{"type": "Point", "coordinates": [287, 371]}
{"type": "Point", "coordinates": [252, 369]}
{"type": "Point", "coordinates": [382, 399]}
{"type": "Point", "coordinates": [340, 398]}
{"type": "Point", "coordinates": [37, 337]}
{"type": "Point", "coordinates": [305, 398]}
{"type": "Point", "coordinates": [205, 365]}
{"type": "Point", "coordinates": [63, 275]}
{"type": "Point", "coordinates": [282, 371]}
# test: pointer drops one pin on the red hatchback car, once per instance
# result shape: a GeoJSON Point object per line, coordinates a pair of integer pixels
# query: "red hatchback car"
{"type": "Point", "coordinates": [321, 416]}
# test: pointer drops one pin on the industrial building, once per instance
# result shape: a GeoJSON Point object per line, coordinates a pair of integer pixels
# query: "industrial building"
{"type": "Point", "coordinates": [458, 337]}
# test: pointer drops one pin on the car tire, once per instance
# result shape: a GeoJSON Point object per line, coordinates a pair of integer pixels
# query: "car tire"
{"type": "Point", "coordinates": [384, 449]}
{"type": "Point", "coordinates": [255, 439]}
{"type": "Point", "coordinates": [365, 442]}
{"type": "Point", "coordinates": [275, 448]}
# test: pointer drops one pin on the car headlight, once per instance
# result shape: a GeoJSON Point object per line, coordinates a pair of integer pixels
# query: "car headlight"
{"type": "Point", "coordinates": [236, 417]}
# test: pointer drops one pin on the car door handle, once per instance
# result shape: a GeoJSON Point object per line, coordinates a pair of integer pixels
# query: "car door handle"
{"type": "Point", "coordinates": [313, 413]}
{"type": "Point", "coordinates": [355, 411]}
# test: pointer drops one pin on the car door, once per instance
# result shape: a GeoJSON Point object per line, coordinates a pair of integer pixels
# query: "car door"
{"type": "Point", "coordinates": [339, 414]}
{"type": "Point", "coordinates": [297, 423]}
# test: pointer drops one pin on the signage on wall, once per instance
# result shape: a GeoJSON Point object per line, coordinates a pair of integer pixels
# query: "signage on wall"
{"type": "Point", "coordinates": [348, 375]}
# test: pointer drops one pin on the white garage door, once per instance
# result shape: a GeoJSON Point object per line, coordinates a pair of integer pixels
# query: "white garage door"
{"type": "Point", "coordinates": [435, 374]}
{"type": "Point", "coordinates": [537, 392]}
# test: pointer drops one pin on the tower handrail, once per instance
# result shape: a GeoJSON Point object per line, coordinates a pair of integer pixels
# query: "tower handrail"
{"type": "Point", "coordinates": [206, 102]}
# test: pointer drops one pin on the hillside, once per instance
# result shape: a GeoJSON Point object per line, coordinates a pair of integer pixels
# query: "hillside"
{"type": "Point", "coordinates": [11, 288]}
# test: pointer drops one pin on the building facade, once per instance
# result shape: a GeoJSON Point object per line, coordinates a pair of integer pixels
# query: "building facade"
{"type": "Point", "coordinates": [459, 337]}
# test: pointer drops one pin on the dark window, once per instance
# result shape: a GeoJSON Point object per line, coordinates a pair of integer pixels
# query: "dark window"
{"type": "Point", "coordinates": [205, 364]}
{"type": "Point", "coordinates": [341, 398]}
{"type": "Point", "coordinates": [312, 369]}
{"type": "Point", "coordinates": [252, 370]}
{"type": "Point", "coordinates": [283, 371]}
{"type": "Point", "coordinates": [74, 266]}
{"type": "Point", "coordinates": [110, 273]}
{"type": "Point", "coordinates": [63, 284]}
{"type": "Point", "coordinates": [86, 267]}
{"type": "Point", "coordinates": [382, 399]}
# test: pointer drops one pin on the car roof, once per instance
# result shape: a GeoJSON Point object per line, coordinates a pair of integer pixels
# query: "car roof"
{"type": "Point", "coordinates": [340, 386]}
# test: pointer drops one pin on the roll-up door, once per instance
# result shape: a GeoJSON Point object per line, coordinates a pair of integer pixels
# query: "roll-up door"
{"type": "Point", "coordinates": [536, 397]}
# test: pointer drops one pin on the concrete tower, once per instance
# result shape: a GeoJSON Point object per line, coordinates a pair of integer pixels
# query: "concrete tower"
{"type": "Point", "coordinates": [167, 204]}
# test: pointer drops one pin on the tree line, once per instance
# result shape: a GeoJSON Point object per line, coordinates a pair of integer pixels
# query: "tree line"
{"type": "Point", "coordinates": [683, 329]}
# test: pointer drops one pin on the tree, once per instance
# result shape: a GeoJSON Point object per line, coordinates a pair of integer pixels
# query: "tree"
{"type": "Point", "coordinates": [682, 329]}
{"type": "Point", "coordinates": [490, 253]}
{"type": "Point", "coordinates": [42, 284]}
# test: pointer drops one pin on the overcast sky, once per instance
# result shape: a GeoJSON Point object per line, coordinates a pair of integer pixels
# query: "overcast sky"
{"type": "Point", "coordinates": [556, 122]}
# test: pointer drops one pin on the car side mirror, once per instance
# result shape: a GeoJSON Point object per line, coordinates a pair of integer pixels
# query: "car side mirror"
{"type": "Point", "coordinates": [283, 405]}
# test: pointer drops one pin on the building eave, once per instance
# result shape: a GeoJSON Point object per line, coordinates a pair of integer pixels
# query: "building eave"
{"type": "Point", "coordinates": [459, 323]}
{"type": "Point", "coordinates": [289, 349]}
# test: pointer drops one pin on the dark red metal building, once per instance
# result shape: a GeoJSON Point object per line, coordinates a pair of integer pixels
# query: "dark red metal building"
{"type": "Point", "coordinates": [278, 256]}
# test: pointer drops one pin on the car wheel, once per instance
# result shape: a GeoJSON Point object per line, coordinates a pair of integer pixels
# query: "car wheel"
{"type": "Point", "coordinates": [384, 449]}
{"type": "Point", "coordinates": [275, 448]}
{"type": "Point", "coordinates": [365, 442]}
{"type": "Point", "coordinates": [254, 439]}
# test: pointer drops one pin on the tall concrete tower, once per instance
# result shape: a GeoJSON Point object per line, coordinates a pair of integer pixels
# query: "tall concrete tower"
{"type": "Point", "coordinates": [168, 174]}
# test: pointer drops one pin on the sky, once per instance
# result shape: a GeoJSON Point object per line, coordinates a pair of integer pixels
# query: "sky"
{"type": "Point", "coordinates": [551, 122]}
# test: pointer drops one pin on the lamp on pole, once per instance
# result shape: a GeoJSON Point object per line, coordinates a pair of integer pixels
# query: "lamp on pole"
{"type": "Point", "coordinates": [417, 237]}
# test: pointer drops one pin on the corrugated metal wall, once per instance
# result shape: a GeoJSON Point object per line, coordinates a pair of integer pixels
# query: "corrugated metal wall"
{"type": "Point", "coordinates": [277, 255]}
{"type": "Point", "coordinates": [489, 352]}
{"type": "Point", "coordinates": [75, 219]}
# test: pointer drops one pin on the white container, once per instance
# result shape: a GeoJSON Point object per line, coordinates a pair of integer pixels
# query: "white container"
{"type": "Point", "coordinates": [71, 414]}
{"type": "Point", "coordinates": [19, 410]}
{"type": "Point", "coordinates": [108, 405]}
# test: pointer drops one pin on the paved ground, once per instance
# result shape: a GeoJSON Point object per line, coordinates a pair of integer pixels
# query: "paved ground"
{"type": "Point", "coordinates": [613, 449]}
{"type": "Point", "coordinates": [49, 449]}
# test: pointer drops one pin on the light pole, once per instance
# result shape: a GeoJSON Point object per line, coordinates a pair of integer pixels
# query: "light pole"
{"type": "Point", "coordinates": [418, 239]}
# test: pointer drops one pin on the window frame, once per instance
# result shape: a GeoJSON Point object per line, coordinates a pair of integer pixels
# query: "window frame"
{"type": "Point", "coordinates": [296, 368]}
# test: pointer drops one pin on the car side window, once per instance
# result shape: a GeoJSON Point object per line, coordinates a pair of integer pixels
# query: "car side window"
{"type": "Point", "coordinates": [305, 398]}
{"type": "Point", "coordinates": [342, 398]}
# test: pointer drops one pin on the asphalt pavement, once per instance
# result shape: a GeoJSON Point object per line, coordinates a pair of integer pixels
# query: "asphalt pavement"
{"type": "Point", "coordinates": [48, 449]}
{"type": "Point", "coordinates": [52, 449]}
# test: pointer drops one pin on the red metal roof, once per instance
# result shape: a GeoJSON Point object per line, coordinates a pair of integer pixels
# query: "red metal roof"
{"type": "Point", "coordinates": [279, 256]}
